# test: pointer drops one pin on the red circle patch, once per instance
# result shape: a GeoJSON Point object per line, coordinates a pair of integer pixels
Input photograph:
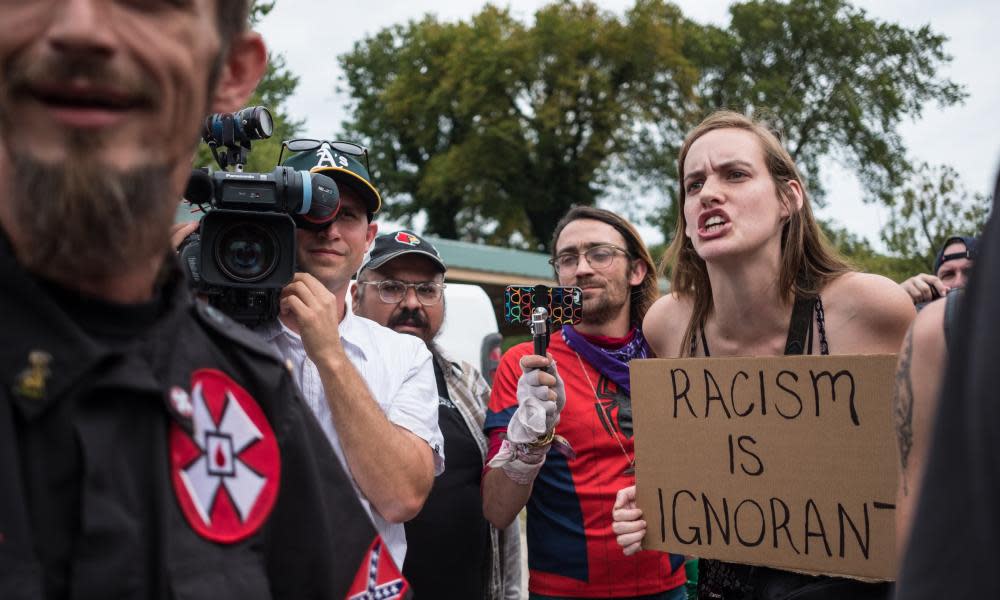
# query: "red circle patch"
{"type": "Point", "coordinates": [226, 475]}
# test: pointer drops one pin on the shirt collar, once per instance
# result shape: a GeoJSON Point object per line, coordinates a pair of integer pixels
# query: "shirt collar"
{"type": "Point", "coordinates": [47, 352]}
{"type": "Point", "coordinates": [273, 328]}
{"type": "Point", "coordinates": [353, 333]}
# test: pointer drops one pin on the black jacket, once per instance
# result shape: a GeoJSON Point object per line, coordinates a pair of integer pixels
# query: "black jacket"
{"type": "Point", "coordinates": [89, 500]}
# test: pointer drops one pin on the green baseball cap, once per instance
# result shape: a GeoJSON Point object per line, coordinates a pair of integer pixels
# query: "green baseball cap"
{"type": "Point", "coordinates": [343, 168]}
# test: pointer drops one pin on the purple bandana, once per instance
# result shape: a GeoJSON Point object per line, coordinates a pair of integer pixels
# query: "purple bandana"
{"type": "Point", "coordinates": [613, 364]}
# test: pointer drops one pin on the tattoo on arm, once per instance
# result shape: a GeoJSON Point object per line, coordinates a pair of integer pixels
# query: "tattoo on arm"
{"type": "Point", "coordinates": [903, 405]}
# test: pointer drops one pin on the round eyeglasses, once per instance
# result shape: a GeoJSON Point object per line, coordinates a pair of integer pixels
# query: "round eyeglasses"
{"type": "Point", "coordinates": [598, 257]}
{"type": "Point", "coordinates": [391, 291]}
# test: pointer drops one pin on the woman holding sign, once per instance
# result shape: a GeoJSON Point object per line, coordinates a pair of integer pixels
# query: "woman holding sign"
{"type": "Point", "coordinates": [752, 275]}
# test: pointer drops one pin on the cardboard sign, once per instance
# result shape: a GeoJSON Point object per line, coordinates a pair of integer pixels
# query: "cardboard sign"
{"type": "Point", "coordinates": [787, 462]}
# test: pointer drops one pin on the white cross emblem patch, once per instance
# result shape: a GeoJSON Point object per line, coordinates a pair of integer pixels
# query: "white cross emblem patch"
{"type": "Point", "coordinates": [219, 465]}
{"type": "Point", "coordinates": [226, 472]}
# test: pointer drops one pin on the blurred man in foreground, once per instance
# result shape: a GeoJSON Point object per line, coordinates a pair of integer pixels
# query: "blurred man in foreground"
{"type": "Point", "coordinates": [150, 447]}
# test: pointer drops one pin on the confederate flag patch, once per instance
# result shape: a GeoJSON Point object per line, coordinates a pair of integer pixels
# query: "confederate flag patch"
{"type": "Point", "coordinates": [378, 578]}
{"type": "Point", "coordinates": [226, 474]}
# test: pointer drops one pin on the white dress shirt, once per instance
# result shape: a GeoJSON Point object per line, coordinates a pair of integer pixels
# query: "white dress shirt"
{"type": "Point", "coordinates": [400, 376]}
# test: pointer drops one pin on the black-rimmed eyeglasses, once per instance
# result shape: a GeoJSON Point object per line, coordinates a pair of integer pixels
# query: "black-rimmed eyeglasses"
{"type": "Point", "coordinates": [308, 145]}
{"type": "Point", "coordinates": [598, 257]}
{"type": "Point", "coordinates": [391, 291]}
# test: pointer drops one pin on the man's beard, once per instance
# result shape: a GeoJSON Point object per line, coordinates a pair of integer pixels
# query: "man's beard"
{"type": "Point", "coordinates": [83, 220]}
{"type": "Point", "coordinates": [605, 307]}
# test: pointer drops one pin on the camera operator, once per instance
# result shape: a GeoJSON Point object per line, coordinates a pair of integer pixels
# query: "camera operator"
{"type": "Point", "coordinates": [372, 390]}
{"type": "Point", "coordinates": [149, 447]}
{"type": "Point", "coordinates": [952, 266]}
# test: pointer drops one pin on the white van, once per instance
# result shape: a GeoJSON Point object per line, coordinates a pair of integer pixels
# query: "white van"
{"type": "Point", "coordinates": [470, 331]}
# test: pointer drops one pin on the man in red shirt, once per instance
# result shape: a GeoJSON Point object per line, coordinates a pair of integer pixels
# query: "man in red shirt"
{"type": "Point", "coordinates": [572, 552]}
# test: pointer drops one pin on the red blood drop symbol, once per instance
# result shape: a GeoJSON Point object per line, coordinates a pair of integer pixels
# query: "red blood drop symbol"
{"type": "Point", "coordinates": [220, 457]}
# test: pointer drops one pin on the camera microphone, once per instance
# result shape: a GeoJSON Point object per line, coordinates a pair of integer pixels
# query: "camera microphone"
{"type": "Point", "coordinates": [199, 187]}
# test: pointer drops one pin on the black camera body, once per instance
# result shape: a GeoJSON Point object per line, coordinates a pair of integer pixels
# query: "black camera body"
{"type": "Point", "coordinates": [243, 253]}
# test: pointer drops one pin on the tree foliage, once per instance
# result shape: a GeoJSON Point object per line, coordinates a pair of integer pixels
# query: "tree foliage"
{"type": "Point", "coordinates": [930, 208]}
{"type": "Point", "coordinates": [829, 77]}
{"type": "Point", "coordinates": [834, 82]}
{"type": "Point", "coordinates": [494, 129]}
{"type": "Point", "coordinates": [860, 253]}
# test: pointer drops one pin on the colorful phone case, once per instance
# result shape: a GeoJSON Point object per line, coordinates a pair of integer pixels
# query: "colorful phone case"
{"type": "Point", "coordinates": [565, 304]}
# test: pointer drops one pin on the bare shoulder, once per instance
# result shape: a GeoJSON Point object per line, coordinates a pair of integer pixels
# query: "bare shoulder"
{"type": "Point", "coordinates": [666, 322]}
{"type": "Point", "coordinates": [866, 314]}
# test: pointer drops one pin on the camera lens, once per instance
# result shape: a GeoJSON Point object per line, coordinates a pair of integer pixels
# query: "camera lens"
{"type": "Point", "coordinates": [255, 122]}
{"type": "Point", "coordinates": [246, 252]}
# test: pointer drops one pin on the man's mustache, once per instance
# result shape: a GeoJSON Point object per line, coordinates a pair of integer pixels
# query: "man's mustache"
{"type": "Point", "coordinates": [587, 282]}
{"type": "Point", "coordinates": [25, 76]}
{"type": "Point", "coordinates": [408, 316]}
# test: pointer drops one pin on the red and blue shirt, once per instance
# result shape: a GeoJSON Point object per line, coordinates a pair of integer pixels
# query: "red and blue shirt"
{"type": "Point", "coordinates": [571, 548]}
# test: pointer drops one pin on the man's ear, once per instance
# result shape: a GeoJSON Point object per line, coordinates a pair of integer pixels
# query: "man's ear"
{"type": "Point", "coordinates": [355, 291]}
{"type": "Point", "coordinates": [242, 69]}
{"type": "Point", "coordinates": [370, 235]}
{"type": "Point", "coordinates": [637, 272]}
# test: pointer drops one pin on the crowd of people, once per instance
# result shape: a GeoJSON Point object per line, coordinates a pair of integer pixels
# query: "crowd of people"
{"type": "Point", "coordinates": [153, 448]}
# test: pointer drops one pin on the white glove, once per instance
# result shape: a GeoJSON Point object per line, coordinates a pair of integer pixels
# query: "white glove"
{"type": "Point", "coordinates": [536, 415]}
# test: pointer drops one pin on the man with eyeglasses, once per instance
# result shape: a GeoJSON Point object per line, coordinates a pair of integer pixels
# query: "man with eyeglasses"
{"type": "Point", "coordinates": [572, 550]}
{"type": "Point", "coordinates": [372, 390]}
{"type": "Point", "coordinates": [401, 286]}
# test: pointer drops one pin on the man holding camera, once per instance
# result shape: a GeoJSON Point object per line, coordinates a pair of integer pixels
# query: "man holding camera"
{"type": "Point", "coordinates": [149, 447]}
{"type": "Point", "coordinates": [401, 286]}
{"type": "Point", "coordinates": [572, 550]}
{"type": "Point", "coordinates": [952, 266]}
{"type": "Point", "coordinates": [371, 389]}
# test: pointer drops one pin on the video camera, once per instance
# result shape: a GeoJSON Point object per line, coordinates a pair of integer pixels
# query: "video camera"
{"type": "Point", "coordinates": [244, 250]}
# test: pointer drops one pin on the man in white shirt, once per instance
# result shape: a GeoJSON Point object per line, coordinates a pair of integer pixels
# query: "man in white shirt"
{"type": "Point", "coordinates": [372, 389]}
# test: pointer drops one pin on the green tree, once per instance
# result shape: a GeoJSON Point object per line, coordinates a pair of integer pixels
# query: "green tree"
{"type": "Point", "coordinates": [835, 82]}
{"type": "Point", "coordinates": [932, 206]}
{"type": "Point", "coordinates": [859, 252]}
{"type": "Point", "coordinates": [493, 128]}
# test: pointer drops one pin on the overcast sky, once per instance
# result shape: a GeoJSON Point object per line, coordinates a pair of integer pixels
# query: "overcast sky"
{"type": "Point", "coordinates": [311, 34]}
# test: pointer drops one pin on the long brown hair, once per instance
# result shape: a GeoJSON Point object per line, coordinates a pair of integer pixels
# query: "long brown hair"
{"type": "Point", "coordinates": [641, 296]}
{"type": "Point", "coordinates": [808, 261]}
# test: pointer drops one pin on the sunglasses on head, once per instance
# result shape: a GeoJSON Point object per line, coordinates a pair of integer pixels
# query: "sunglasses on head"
{"type": "Point", "coordinates": [308, 145]}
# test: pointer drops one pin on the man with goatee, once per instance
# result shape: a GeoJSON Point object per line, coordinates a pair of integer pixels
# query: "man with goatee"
{"type": "Point", "coordinates": [149, 447]}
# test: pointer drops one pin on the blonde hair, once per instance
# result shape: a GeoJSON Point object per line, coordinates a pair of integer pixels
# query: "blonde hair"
{"type": "Point", "coordinates": [808, 261]}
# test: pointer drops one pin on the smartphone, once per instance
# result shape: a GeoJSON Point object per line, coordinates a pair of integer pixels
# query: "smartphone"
{"type": "Point", "coordinates": [565, 303]}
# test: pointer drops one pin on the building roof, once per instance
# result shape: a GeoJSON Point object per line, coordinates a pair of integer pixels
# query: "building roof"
{"type": "Point", "coordinates": [468, 261]}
